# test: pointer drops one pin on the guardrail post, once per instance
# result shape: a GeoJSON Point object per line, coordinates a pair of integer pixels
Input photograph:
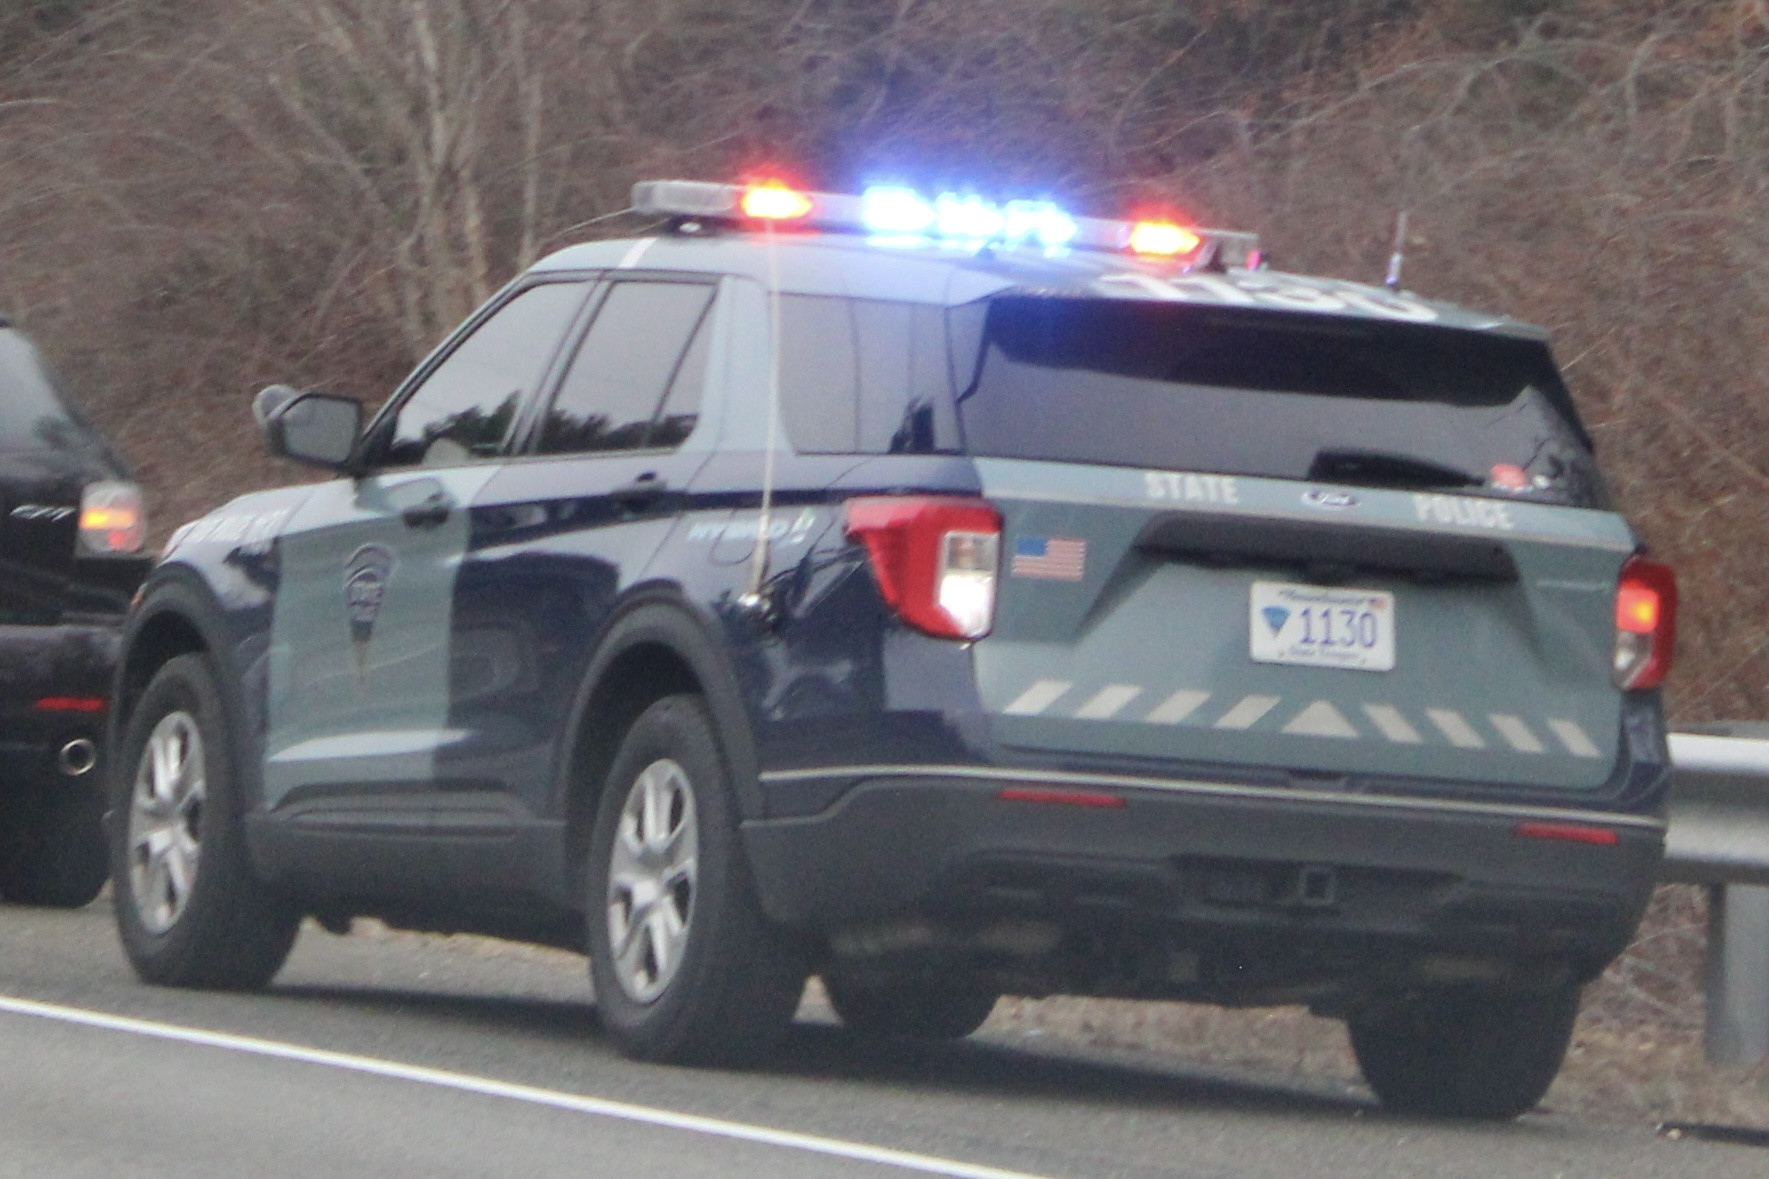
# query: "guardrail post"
{"type": "Point", "coordinates": [1738, 973]}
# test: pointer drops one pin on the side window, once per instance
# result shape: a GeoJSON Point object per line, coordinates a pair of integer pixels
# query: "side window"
{"type": "Point", "coordinates": [636, 380]}
{"type": "Point", "coordinates": [464, 408]}
{"type": "Point", "coordinates": [865, 376]}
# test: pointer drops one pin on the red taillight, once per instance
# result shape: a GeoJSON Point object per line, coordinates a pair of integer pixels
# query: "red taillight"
{"type": "Point", "coordinates": [70, 704]}
{"type": "Point", "coordinates": [935, 558]}
{"type": "Point", "coordinates": [1569, 833]}
{"type": "Point", "coordinates": [773, 201]}
{"type": "Point", "coordinates": [1097, 799]}
{"type": "Point", "coordinates": [1645, 623]}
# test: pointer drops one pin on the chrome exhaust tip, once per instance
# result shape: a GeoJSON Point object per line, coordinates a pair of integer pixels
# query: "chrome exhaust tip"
{"type": "Point", "coordinates": [77, 757]}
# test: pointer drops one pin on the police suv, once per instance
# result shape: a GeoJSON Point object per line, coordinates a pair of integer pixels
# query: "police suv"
{"type": "Point", "coordinates": [946, 598]}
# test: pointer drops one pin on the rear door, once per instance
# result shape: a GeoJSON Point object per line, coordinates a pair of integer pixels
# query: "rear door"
{"type": "Point", "coordinates": [46, 457]}
{"type": "Point", "coordinates": [1278, 546]}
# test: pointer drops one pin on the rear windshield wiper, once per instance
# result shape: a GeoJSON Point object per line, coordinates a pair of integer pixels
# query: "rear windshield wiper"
{"type": "Point", "coordinates": [1375, 468]}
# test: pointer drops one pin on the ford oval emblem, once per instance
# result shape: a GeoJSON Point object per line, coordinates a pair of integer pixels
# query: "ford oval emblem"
{"type": "Point", "coordinates": [1320, 497]}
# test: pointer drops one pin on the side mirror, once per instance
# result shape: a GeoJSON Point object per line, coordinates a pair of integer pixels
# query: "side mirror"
{"type": "Point", "coordinates": [319, 429]}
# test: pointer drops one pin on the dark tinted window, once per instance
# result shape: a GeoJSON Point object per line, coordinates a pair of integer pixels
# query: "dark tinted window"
{"type": "Point", "coordinates": [865, 376]}
{"type": "Point", "coordinates": [32, 416]}
{"type": "Point", "coordinates": [1287, 396]}
{"type": "Point", "coordinates": [466, 405]}
{"type": "Point", "coordinates": [636, 380]}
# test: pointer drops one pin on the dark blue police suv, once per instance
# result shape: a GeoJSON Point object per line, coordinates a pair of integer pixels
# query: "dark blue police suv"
{"type": "Point", "coordinates": [946, 598]}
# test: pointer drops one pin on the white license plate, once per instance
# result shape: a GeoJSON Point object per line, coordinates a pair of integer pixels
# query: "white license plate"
{"type": "Point", "coordinates": [1316, 626]}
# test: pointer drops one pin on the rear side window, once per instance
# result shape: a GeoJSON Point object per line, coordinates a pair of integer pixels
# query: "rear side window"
{"type": "Point", "coordinates": [1284, 396]}
{"type": "Point", "coordinates": [637, 378]}
{"type": "Point", "coordinates": [865, 376]}
{"type": "Point", "coordinates": [32, 415]}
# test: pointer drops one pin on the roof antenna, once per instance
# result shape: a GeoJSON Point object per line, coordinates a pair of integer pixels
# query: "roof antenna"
{"type": "Point", "coordinates": [1398, 258]}
{"type": "Point", "coordinates": [754, 600]}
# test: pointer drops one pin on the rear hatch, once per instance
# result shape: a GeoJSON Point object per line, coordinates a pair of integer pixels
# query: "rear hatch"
{"type": "Point", "coordinates": [1276, 545]}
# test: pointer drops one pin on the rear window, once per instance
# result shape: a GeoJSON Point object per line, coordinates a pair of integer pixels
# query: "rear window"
{"type": "Point", "coordinates": [32, 415]}
{"type": "Point", "coordinates": [1270, 394]}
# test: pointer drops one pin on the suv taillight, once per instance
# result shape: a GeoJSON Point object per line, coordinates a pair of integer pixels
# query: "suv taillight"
{"type": "Point", "coordinates": [935, 558]}
{"type": "Point", "coordinates": [112, 521]}
{"type": "Point", "coordinates": [1645, 623]}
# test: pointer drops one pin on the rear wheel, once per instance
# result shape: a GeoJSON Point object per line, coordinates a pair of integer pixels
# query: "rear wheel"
{"type": "Point", "coordinates": [686, 967]}
{"type": "Point", "coordinates": [52, 846]}
{"type": "Point", "coordinates": [1466, 1054]}
{"type": "Point", "coordinates": [189, 908]}
{"type": "Point", "coordinates": [917, 1009]}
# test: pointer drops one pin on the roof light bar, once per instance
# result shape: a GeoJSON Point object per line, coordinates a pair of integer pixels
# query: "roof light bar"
{"type": "Point", "coordinates": [964, 219]}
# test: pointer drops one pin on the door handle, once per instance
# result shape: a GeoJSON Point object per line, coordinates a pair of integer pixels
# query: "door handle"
{"type": "Point", "coordinates": [430, 512]}
{"type": "Point", "coordinates": [640, 494]}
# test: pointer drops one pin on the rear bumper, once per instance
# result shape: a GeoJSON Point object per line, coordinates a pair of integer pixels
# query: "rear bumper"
{"type": "Point", "coordinates": [1258, 875]}
{"type": "Point", "coordinates": [38, 663]}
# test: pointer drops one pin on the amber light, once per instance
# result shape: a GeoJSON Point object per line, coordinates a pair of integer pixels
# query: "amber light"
{"type": "Point", "coordinates": [1163, 237]}
{"type": "Point", "coordinates": [773, 201]}
{"type": "Point", "coordinates": [1636, 609]}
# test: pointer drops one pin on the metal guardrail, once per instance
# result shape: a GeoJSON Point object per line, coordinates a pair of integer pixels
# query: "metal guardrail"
{"type": "Point", "coordinates": [1719, 837]}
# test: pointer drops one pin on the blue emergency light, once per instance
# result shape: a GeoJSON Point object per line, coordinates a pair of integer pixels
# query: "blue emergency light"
{"type": "Point", "coordinates": [898, 213]}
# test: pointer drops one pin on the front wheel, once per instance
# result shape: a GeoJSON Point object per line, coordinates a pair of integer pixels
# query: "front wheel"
{"type": "Point", "coordinates": [190, 911]}
{"type": "Point", "coordinates": [686, 967]}
{"type": "Point", "coordinates": [1466, 1054]}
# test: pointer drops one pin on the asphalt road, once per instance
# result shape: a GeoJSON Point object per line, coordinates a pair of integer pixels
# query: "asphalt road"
{"type": "Point", "coordinates": [390, 1055]}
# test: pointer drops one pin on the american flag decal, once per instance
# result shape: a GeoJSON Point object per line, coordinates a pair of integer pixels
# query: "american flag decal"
{"type": "Point", "coordinates": [1058, 558]}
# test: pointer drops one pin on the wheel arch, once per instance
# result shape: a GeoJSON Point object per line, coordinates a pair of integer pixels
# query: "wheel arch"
{"type": "Point", "coordinates": [177, 616]}
{"type": "Point", "coordinates": [658, 645]}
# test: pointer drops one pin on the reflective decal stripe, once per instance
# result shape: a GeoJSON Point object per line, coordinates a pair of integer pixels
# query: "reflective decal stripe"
{"type": "Point", "coordinates": [1005, 776]}
{"type": "Point", "coordinates": [1453, 727]}
{"type": "Point", "coordinates": [1517, 733]}
{"type": "Point", "coordinates": [1316, 718]}
{"type": "Point", "coordinates": [1321, 719]}
{"type": "Point", "coordinates": [1248, 712]}
{"type": "Point", "coordinates": [1177, 707]}
{"type": "Point", "coordinates": [1573, 738]}
{"type": "Point", "coordinates": [1394, 726]}
{"type": "Point", "coordinates": [1037, 698]}
{"type": "Point", "coordinates": [1108, 701]}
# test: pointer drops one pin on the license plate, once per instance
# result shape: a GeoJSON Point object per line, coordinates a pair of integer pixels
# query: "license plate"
{"type": "Point", "coordinates": [1317, 626]}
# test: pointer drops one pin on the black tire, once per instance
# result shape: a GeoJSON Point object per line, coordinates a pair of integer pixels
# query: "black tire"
{"type": "Point", "coordinates": [52, 849]}
{"type": "Point", "coordinates": [734, 979]}
{"type": "Point", "coordinates": [1466, 1054]}
{"type": "Point", "coordinates": [915, 1009]}
{"type": "Point", "coordinates": [221, 928]}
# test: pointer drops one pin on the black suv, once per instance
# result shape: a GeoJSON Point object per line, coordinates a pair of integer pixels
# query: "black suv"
{"type": "Point", "coordinates": [944, 598]}
{"type": "Point", "coordinates": [71, 533]}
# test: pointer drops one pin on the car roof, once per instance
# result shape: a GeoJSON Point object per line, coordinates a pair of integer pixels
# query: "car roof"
{"type": "Point", "coordinates": [813, 263]}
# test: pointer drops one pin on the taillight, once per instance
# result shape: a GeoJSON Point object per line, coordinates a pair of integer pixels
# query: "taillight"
{"type": "Point", "coordinates": [1645, 623]}
{"type": "Point", "coordinates": [935, 559]}
{"type": "Point", "coordinates": [112, 520]}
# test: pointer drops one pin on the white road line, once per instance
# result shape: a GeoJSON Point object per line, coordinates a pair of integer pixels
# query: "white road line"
{"type": "Point", "coordinates": [486, 1087]}
{"type": "Point", "coordinates": [1107, 702]}
{"type": "Point", "coordinates": [1040, 696]}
